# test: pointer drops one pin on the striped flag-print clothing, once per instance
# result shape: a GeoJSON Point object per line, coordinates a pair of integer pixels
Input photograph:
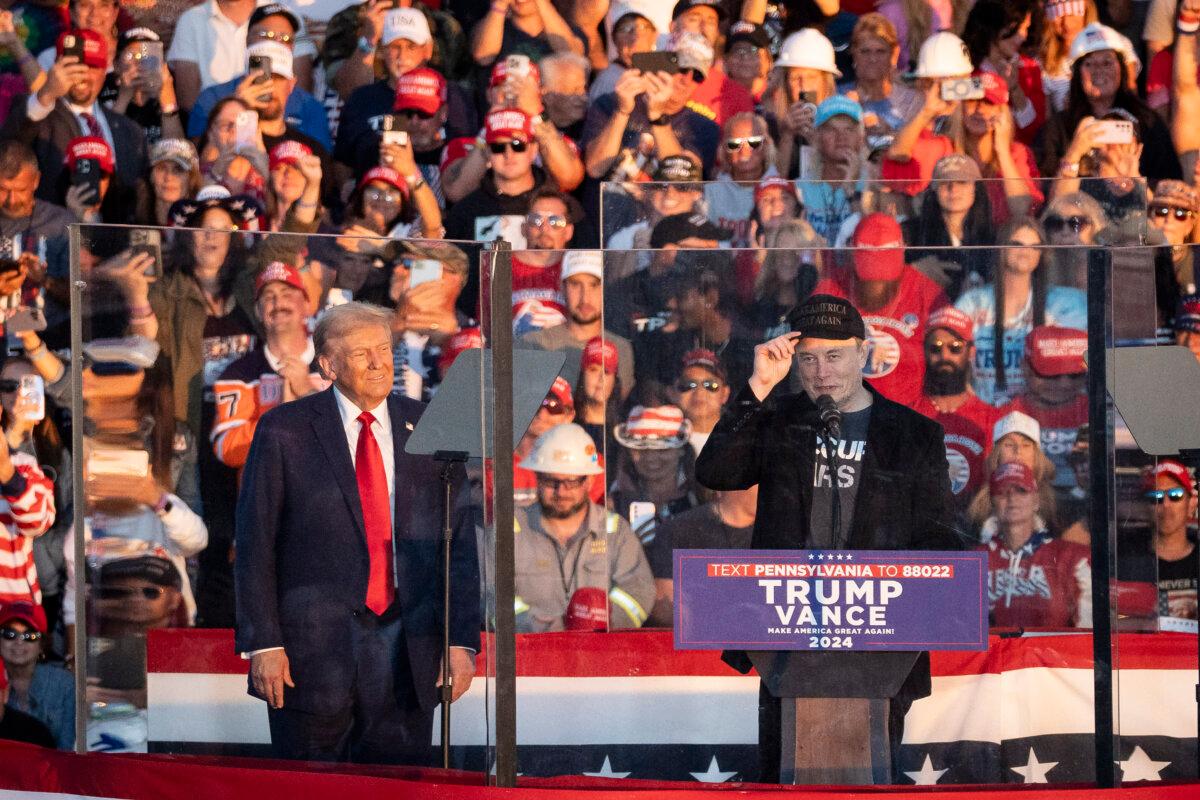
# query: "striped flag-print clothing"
{"type": "Point", "coordinates": [26, 512]}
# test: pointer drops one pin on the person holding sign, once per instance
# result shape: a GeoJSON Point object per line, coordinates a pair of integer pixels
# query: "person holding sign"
{"type": "Point", "coordinates": [892, 490]}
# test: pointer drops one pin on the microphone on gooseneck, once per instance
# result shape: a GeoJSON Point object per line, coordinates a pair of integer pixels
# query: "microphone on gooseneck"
{"type": "Point", "coordinates": [831, 416]}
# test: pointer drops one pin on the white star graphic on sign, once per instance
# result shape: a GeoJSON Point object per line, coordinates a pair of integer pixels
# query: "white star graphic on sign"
{"type": "Point", "coordinates": [927, 776]}
{"type": "Point", "coordinates": [849, 557]}
{"type": "Point", "coordinates": [821, 557]}
{"type": "Point", "coordinates": [811, 556]}
{"type": "Point", "coordinates": [606, 771]}
{"type": "Point", "coordinates": [714, 774]}
{"type": "Point", "coordinates": [840, 556]}
{"type": "Point", "coordinates": [1033, 771]}
{"type": "Point", "coordinates": [1139, 767]}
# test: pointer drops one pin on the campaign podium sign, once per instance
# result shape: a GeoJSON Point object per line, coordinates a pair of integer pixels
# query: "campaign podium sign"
{"type": "Point", "coordinates": [830, 600]}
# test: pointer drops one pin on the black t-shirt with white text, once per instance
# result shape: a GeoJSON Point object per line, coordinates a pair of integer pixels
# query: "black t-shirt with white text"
{"type": "Point", "coordinates": [850, 450]}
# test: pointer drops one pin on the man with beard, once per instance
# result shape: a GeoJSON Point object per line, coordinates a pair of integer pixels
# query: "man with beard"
{"type": "Point", "coordinates": [949, 399]}
{"type": "Point", "coordinates": [65, 108]}
{"type": "Point", "coordinates": [34, 226]}
{"type": "Point", "coordinates": [582, 284]}
{"type": "Point", "coordinates": [575, 559]}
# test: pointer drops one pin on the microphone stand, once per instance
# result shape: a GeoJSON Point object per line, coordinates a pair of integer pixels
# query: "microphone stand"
{"type": "Point", "coordinates": [447, 458]}
{"type": "Point", "coordinates": [831, 435]}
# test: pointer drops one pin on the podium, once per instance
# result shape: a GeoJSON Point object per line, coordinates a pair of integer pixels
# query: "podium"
{"type": "Point", "coordinates": [834, 712]}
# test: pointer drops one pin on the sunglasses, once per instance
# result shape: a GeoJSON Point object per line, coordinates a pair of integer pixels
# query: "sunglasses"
{"type": "Point", "coordinates": [13, 635]}
{"type": "Point", "coordinates": [735, 144]}
{"type": "Point", "coordinates": [286, 38]}
{"type": "Point", "coordinates": [415, 112]}
{"type": "Point", "coordinates": [1075, 223]}
{"type": "Point", "coordinates": [1180, 214]}
{"type": "Point", "coordinates": [126, 592]}
{"type": "Point", "coordinates": [378, 196]}
{"type": "Point", "coordinates": [516, 145]}
{"type": "Point", "coordinates": [535, 220]}
{"type": "Point", "coordinates": [690, 386]}
{"type": "Point", "coordinates": [1158, 495]}
{"type": "Point", "coordinates": [562, 483]}
{"type": "Point", "coordinates": [8, 385]}
{"type": "Point", "coordinates": [555, 406]}
{"type": "Point", "coordinates": [955, 346]}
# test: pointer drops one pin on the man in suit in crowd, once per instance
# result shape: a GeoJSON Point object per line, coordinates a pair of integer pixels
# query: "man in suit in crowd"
{"type": "Point", "coordinates": [65, 108]}
{"type": "Point", "coordinates": [892, 482]}
{"type": "Point", "coordinates": [338, 571]}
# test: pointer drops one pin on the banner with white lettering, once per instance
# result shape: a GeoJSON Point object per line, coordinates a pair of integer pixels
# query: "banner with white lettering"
{"type": "Point", "coordinates": [830, 600]}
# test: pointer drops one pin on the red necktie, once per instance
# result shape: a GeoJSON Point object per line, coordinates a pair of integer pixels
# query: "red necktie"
{"type": "Point", "coordinates": [90, 126]}
{"type": "Point", "coordinates": [377, 515]}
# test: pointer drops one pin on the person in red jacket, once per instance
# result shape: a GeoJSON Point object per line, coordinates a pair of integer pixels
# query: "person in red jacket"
{"type": "Point", "coordinates": [895, 300]}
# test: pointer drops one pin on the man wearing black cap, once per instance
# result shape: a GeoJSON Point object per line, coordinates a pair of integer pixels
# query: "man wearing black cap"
{"type": "Point", "coordinates": [893, 481]}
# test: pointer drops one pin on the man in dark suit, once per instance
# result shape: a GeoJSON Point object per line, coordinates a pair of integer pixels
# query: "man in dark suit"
{"type": "Point", "coordinates": [65, 108]}
{"type": "Point", "coordinates": [893, 485]}
{"type": "Point", "coordinates": [337, 573]}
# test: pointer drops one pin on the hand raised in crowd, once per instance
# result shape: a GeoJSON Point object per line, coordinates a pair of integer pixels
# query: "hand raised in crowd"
{"type": "Point", "coordinates": [800, 120]}
{"type": "Point", "coordinates": [400, 158]}
{"type": "Point", "coordinates": [8, 31]}
{"type": "Point", "coordinates": [66, 72]}
{"type": "Point", "coordinates": [310, 168]}
{"type": "Point", "coordinates": [1003, 129]}
{"type": "Point", "coordinates": [254, 95]}
{"type": "Point", "coordinates": [772, 363]}
{"type": "Point", "coordinates": [269, 673]}
{"type": "Point", "coordinates": [82, 202]}
{"type": "Point", "coordinates": [11, 282]}
{"type": "Point", "coordinates": [1084, 140]}
{"type": "Point", "coordinates": [462, 671]}
{"type": "Point", "coordinates": [166, 95]}
{"type": "Point", "coordinates": [370, 20]}
{"type": "Point", "coordinates": [935, 106]}
{"type": "Point", "coordinates": [429, 309]}
{"type": "Point", "coordinates": [659, 91]}
{"type": "Point", "coordinates": [296, 382]}
{"type": "Point", "coordinates": [627, 88]}
{"type": "Point", "coordinates": [361, 239]}
{"type": "Point", "coordinates": [524, 93]}
{"type": "Point", "coordinates": [7, 470]}
{"type": "Point", "coordinates": [128, 271]}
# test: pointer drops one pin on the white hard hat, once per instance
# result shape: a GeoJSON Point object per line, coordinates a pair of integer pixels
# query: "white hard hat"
{"type": "Point", "coordinates": [808, 48]}
{"type": "Point", "coordinates": [565, 450]}
{"type": "Point", "coordinates": [1095, 38]}
{"type": "Point", "coordinates": [943, 55]}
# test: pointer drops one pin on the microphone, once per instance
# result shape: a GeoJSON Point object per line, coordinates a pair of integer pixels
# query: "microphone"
{"type": "Point", "coordinates": [831, 417]}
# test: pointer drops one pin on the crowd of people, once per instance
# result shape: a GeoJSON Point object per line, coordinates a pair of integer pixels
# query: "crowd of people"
{"type": "Point", "coordinates": [672, 179]}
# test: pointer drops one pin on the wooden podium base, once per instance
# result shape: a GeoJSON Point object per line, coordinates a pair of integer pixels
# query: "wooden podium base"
{"type": "Point", "coordinates": [835, 741]}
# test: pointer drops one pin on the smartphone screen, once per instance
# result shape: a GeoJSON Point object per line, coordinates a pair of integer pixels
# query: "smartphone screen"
{"type": "Point", "coordinates": [261, 67]}
{"type": "Point", "coordinates": [423, 270]}
{"type": "Point", "coordinates": [150, 243]}
{"type": "Point", "coordinates": [87, 173]}
{"type": "Point", "coordinates": [246, 127]}
{"type": "Point", "coordinates": [31, 397]}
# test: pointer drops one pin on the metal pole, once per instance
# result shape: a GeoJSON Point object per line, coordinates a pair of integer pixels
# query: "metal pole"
{"type": "Point", "coordinates": [1099, 518]}
{"type": "Point", "coordinates": [498, 258]}
{"type": "Point", "coordinates": [78, 500]}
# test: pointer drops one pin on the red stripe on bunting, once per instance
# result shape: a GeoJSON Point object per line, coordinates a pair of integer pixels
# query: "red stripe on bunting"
{"type": "Point", "coordinates": [651, 653]}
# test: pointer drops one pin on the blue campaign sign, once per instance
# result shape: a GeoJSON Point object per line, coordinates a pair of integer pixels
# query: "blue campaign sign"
{"type": "Point", "coordinates": [830, 600]}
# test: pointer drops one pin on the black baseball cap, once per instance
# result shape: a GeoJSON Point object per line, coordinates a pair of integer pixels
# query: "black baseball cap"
{"type": "Point", "coordinates": [133, 35]}
{"type": "Point", "coordinates": [274, 10]}
{"type": "Point", "coordinates": [742, 31]}
{"type": "Point", "coordinates": [715, 5]}
{"type": "Point", "coordinates": [677, 227]}
{"type": "Point", "coordinates": [824, 316]}
{"type": "Point", "coordinates": [152, 568]}
{"type": "Point", "coordinates": [677, 169]}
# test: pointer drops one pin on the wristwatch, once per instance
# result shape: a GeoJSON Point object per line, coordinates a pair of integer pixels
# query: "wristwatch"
{"type": "Point", "coordinates": [365, 46]}
{"type": "Point", "coordinates": [414, 182]}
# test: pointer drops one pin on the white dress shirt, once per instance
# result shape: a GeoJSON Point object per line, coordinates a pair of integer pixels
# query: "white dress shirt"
{"type": "Point", "coordinates": [381, 428]}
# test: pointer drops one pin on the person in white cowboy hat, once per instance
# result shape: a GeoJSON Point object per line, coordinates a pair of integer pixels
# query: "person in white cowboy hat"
{"type": "Point", "coordinates": [654, 477]}
{"type": "Point", "coordinates": [578, 565]}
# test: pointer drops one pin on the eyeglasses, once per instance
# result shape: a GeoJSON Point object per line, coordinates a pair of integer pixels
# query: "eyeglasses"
{"type": "Point", "coordinates": [684, 387]}
{"type": "Point", "coordinates": [285, 38]}
{"type": "Point", "coordinates": [562, 483]}
{"type": "Point", "coordinates": [955, 346]}
{"type": "Point", "coordinates": [126, 592]}
{"type": "Point", "coordinates": [516, 145]}
{"type": "Point", "coordinates": [535, 220]}
{"type": "Point", "coordinates": [380, 196]}
{"type": "Point", "coordinates": [735, 144]}
{"type": "Point", "coordinates": [1074, 222]}
{"type": "Point", "coordinates": [1158, 495]}
{"type": "Point", "coordinates": [415, 112]}
{"type": "Point", "coordinates": [1180, 214]}
{"type": "Point", "coordinates": [555, 406]}
{"type": "Point", "coordinates": [13, 635]}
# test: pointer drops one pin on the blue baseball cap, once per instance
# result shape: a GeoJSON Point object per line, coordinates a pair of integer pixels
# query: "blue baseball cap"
{"type": "Point", "coordinates": [838, 105]}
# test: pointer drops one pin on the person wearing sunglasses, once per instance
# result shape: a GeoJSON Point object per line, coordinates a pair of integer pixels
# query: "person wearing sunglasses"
{"type": "Point", "coordinates": [701, 391]}
{"type": "Point", "coordinates": [269, 23]}
{"type": "Point", "coordinates": [948, 399]}
{"type": "Point", "coordinates": [1071, 219]}
{"type": "Point", "coordinates": [537, 303]}
{"type": "Point", "coordinates": [746, 156]}
{"type": "Point", "coordinates": [40, 689]}
{"type": "Point", "coordinates": [1173, 210]}
{"type": "Point", "coordinates": [1170, 488]}
{"type": "Point", "coordinates": [1034, 579]}
{"type": "Point", "coordinates": [579, 566]}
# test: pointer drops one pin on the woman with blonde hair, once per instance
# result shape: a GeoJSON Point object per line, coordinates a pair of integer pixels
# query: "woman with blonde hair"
{"type": "Point", "coordinates": [1016, 438]}
{"type": "Point", "coordinates": [875, 49]}
{"type": "Point", "coordinates": [916, 20]}
{"type": "Point", "coordinates": [1064, 20]}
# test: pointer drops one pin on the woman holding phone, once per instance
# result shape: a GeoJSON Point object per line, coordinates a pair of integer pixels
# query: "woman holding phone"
{"type": "Point", "coordinates": [145, 88]}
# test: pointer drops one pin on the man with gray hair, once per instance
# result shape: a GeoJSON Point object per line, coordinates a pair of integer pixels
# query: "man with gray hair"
{"type": "Point", "coordinates": [337, 570]}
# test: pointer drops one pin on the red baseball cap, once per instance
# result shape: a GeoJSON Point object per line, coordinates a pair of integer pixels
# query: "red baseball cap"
{"type": "Point", "coordinates": [508, 123]}
{"type": "Point", "coordinates": [465, 339]}
{"type": "Point", "coordinates": [951, 319]}
{"type": "Point", "coordinates": [775, 182]}
{"type": "Point", "coordinates": [1014, 473]}
{"type": "Point", "coordinates": [95, 49]}
{"type": "Point", "coordinates": [1175, 470]}
{"type": "Point", "coordinates": [995, 91]}
{"type": "Point", "coordinates": [705, 359]}
{"type": "Point", "coordinates": [384, 175]}
{"type": "Point", "coordinates": [500, 72]}
{"type": "Point", "coordinates": [1054, 351]}
{"type": "Point", "coordinates": [93, 147]}
{"type": "Point", "coordinates": [885, 261]}
{"type": "Point", "coordinates": [587, 610]}
{"type": "Point", "coordinates": [421, 89]}
{"type": "Point", "coordinates": [277, 271]}
{"type": "Point", "coordinates": [561, 391]}
{"type": "Point", "coordinates": [31, 614]}
{"type": "Point", "coordinates": [603, 352]}
{"type": "Point", "coordinates": [288, 152]}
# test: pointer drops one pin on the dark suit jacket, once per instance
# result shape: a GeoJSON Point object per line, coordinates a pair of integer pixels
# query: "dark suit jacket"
{"type": "Point", "coordinates": [902, 503]}
{"type": "Point", "coordinates": [50, 137]}
{"type": "Point", "coordinates": [301, 567]}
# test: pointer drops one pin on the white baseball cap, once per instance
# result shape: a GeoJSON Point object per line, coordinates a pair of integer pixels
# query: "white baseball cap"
{"type": "Point", "coordinates": [810, 49]}
{"type": "Point", "coordinates": [405, 23]}
{"type": "Point", "coordinates": [1017, 422]}
{"type": "Point", "coordinates": [583, 262]}
{"type": "Point", "coordinates": [279, 53]}
{"type": "Point", "coordinates": [943, 55]}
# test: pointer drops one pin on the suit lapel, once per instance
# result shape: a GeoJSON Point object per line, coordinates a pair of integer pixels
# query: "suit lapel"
{"type": "Point", "coordinates": [400, 434]}
{"type": "Point", "coordinates": [327, 425]}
